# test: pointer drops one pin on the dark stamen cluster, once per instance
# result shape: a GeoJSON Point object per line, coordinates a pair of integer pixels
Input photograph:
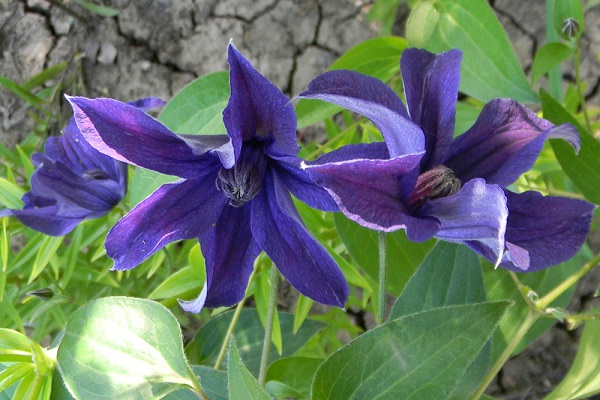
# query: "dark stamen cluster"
{"type": "Point", "coordinates": [240, 183]}
{"type": "Point", "coordinates": [436, 183]}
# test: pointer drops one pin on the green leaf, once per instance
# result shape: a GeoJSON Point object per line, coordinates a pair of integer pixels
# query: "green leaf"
{"type": "Point", "coordinates": [583, 168]}
{"type": "Point", "coordinates": [403, 256]}
{"type": "Point", "coordinates": [190, 278]}
{"type": "Point", "coordinates": [48, 249]}
{"type": "Point", "coordinates": [123, 348]}
{"type": "Point", "coordinates": [500, 286]}
{"type": "Point", "coordinates": [384, 11]}
{"type": "Point", "coordinates": [583, 379]}
{"type": "Point", "coordinates": [10, 194]}
{"type": "Point", "coordinates": [28, 97]}
{"type": "Point", "coordinates": [378, 57]}
{"type": "Point", "coordinates": [303, 306]}
{"type": "Point", "coordinates": [293, 376]}
{"type": "Point", "coordinates": [490, 67]}
{"type": "Point", "coordinates": [250, 333]}
{"type": "Point", "coordinates": [198, 107]}
{"type": "Point", "coordinates": [420, 356]}
{"type": "Point", "coordinates": [100, 10]}
{"type": "Point", "coordinates": [240, 382]}
{"type": "Point", "coordinates": [144, 182]}
{"type": "Point", "coordinates": [213, 382]}
{"type": "Point", "coordinates": [450, 275]}
{"type": "Point", "coordinates": [44, 76]}
{"type": "Point", "coordinates": [547, 57]}
{"type": "Point", "coordinates": [262, 295]}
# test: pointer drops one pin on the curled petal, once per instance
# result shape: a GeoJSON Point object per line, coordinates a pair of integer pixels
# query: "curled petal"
{"type": "Point", "coordinates": [477, 213]}
{"type": "Point", "coordinates": [504, 143]}
{"type": "Point", "coordinates": [373, 99]}
{"type": "Point", "coordinates": [258, 108]}
{"type": "Point", "coordinates": [431, 87]}
{"type": "Point", "coordinates": [44, 219]}
{"type": "Point", "coordinates": [543, 230]}
{"type": "Point", "coordinates": [127, 134]}
{"type": "Point", "coordinates": [175, 211]}
{"type": "Point", "coordinates": [229, 250]}
{"type": "Point", "coordinates": [279, 231]}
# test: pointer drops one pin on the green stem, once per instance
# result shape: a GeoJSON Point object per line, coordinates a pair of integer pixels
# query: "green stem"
{"type": "Point", "coordinates": [516, 339]}
{"type": "Point", "coordinates": [567, 283]}
{"type": "Point", "coordinates": [36, 387]}
{"type": "Point", "coordinates": [232, 324]}
{"type": "Point", "coordinates": [583, 104]}
{"type": "Point", "coordinates": [382, 240]}
{"type": "Point", "coordinates": [264, 361]}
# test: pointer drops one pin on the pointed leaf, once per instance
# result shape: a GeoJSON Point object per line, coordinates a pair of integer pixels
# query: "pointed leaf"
{"type": "Point", "coordinates": [240, 382]}
{"type": "Point", "coordinates": [293, 376]}
{"type": "Point", "coordinates": [420, 356]}
{"type": "Point", "coordinates": [547, 57]}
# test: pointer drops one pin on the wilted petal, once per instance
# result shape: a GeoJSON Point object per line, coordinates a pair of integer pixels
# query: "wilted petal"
{"type": "Point", "coordinates": [44, 219]}
{"type": "Point", "coordinates": [127, 134]}
{"type": "Point", "coordinates": [431, 88]}
{"type": "Point", "coordinates": [550, 229]}
{"type": "Point", "coordinates": [258, 108]}
{"type": "Point", "coordinates": [301, 185]}
{"type": "Point", "coordinates": [504, 143]}
{"type": "Point", "coordinates": [175, 211]}
{"type": "Point", "coordinates": [477, 212]}
{"type": "Point", "coordinates": [279, 231]}
{"type": "Point", "coordinates": [369, 192]}
{"type": "Point", "coordinates": [373, 99]}
{"type": "Point", "coordinates": [229, 250]}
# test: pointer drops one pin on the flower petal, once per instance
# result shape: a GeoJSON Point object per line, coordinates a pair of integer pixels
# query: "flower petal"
{"type": "Point", "coordinates": [369, 192]}
{"type": "Point", "coordinates": [373, 99]}
{"type": "Point", "coordinates": [299, 183]}
{"type": "Point", "coordinates": [175, 211]}
{"type": "Point", "coordinates": [44, 219]}
{"type": "Point", "coordinates": [128, 134]}
{"type": "Point", "coordinates": [550, 229]}
{"type": "Point", "coordinates": [477, 212]}
{"type": "Point", "coordinates": [504, 143]}
{"type": "Point", "coordinates": [431, 87]}
{"type": "Point", "coordinates": [279, 231]}
{"type": "Point", "coordinates": [148, 103]}
{"type": "Point", "coordinates": [229, 250]}
{"type": "Point", "coordinates": [257, 108]}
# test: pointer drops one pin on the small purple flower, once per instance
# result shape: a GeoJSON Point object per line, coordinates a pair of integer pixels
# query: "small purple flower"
{"type": "Point", "coordinates": [234, 196]}
{"type": "Point", "coordinates": [73, 182]}
{"type": "Point", "coordinates": [432, 185]}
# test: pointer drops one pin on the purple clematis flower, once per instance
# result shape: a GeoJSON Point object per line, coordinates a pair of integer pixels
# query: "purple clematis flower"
{"type": "Point", "coordinates": [73, 182]}
{"type": "Point", "coordinates": [432, 185]}
{"type": "Point", "coordinates": [234, 196]}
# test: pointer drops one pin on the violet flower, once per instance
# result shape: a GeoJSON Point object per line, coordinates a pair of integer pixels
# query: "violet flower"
{"type": "Point", "coordinates": [432, 185]}
{"type": "Point", "coordinates": [234, 196]}
{"type": "Point", "coordinates": [73, 182]}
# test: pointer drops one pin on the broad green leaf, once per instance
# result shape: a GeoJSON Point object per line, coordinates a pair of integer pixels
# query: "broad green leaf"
{"type": "Point", "coordinates": [450, 275]}
{"type": "Point", "coordinates": [583, 168]}
{"type": "Point", "coordinates": [249, 334]}
{"type": "Point", "coordinates": [240, 382]}
{"type": "Point", "coordinates": [198, 107]}
{"type": "Point", "coordinates": [10, 194]}
{"type": "Point", "coordinates": [292, 377]}
{"type": "Point", "coordinates": [583, 379]}
{"type": "Point", "coordinates": [403, 256]}
{"type": "Point", "coordinates": [500, 286]}
{"type": "Point", "coordinates": [378, 57]}
{"type": "Point", "coordinates": [547, 57]}
{"type": "Point", "coordinates": [490, 67]}
{"type": "Point", "coordinates": [213, 382]}
{"type": "Point", "coordinates": [123, 348]}
{"type": "Point", "coordinates": [100, 10]}
{"type": "Point", "coordinates": [420, 356]}
{"type": "Point", "coordinates": [47, 250]}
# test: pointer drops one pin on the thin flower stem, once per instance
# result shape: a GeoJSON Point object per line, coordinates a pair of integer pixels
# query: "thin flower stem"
{"type": "Point", "coordinates": [567, 283]}
{"type": "Point", "coordinates": [516, 339]}
{"type": "Point", "coordinates": [382, 240]}
{"type": "Point", "coordinates": [233, 323]}
{"type": "Point", "coordinates": [583, 104]}
{"type": "Point", "coordinates": [264, 361]}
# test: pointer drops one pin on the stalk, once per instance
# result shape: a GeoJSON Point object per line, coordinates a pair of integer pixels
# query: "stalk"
{"type": "Point", "coordinates": [382, 241]}
{"type": "Point", "coordinates": [264, 361]}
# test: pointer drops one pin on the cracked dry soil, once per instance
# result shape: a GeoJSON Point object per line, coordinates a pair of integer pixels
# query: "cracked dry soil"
{"type": "Point", "coordinates": [155, 47]}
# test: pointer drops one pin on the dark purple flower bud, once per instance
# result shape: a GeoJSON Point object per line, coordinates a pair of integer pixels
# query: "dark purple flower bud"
{"type": "Point", "coordinates": [434, 184]}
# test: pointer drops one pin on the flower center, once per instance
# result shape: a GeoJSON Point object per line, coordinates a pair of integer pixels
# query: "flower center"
{"type": "Point", "coordinates": [433, 184]}
{"type": "Point", "coordinates": [96, 174]}
{"type": "Point", "coordinates": [243, 182]}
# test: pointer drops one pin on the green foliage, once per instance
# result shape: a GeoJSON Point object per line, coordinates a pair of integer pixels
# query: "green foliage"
{"type": "Point", "coordinates": [240, 382]}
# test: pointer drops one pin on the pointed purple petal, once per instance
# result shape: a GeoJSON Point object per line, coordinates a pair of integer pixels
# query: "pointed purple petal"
{"type": "Point", "coordinates": [279, 231]}
{"type": "Point", "coordinates": [477, 212]}
{"type": "Point", "coordinates": [175, 211]}
{"type": "Point", "coordinates": [373, 99]}
{"type": "Point", "coordinates": [148, 103]}
{"type": "Point", "coordinates": [504, 143]}
{"type": "Point", "coordinates": [299, 183]}
{"type": "Point", "coordinates": [431, 88]}
{"type": "Point", "coordinates": [44, 219]}
{"type": "Point", "coordinates": [368, 191]}
{"type": "Point", "coordinates": [549, 229]}
{"type": "Point", "coordinates": [229, 250]}
{"type": "Point", "coordinates": [257, 108]}
{"type": "Point", "coordinates": [127, 134]}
